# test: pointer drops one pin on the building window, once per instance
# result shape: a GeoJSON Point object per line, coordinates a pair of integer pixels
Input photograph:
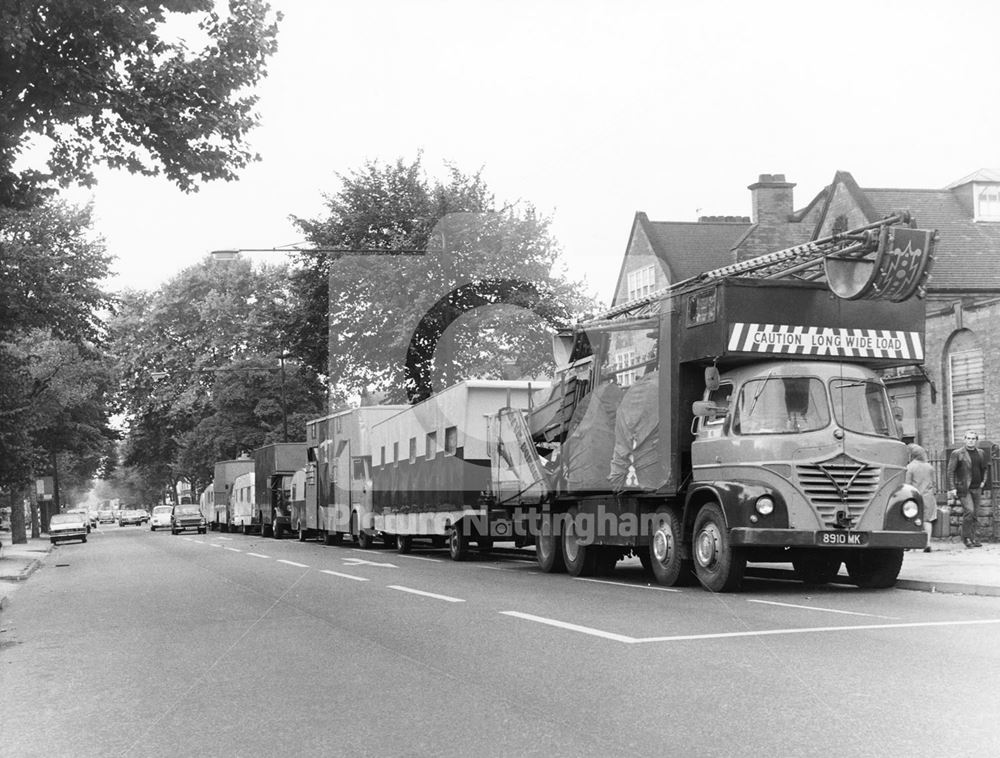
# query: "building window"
{"type": "Point", "coordinates": [431, 449]}
{"type": "Point", "coordinates": [451, 440]}
{"type": "Point", "coordinates": [413, 449]}
{"type": "Point", "coordinates": [395, 453]}
{"type": "Point", "coordinates": [968, 397]}
{"type": "Point", "coordinates": [624, 375]}
{"type": "Point", "coordinates": [988, 204]}
{"type": "Point", "coordinates": [383, 455]}
{"type": "Point", "coordinates": [641, 282]}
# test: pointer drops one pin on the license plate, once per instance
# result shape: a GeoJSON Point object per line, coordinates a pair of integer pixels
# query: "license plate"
{"type": "Point", "coordinates": [846, 539]}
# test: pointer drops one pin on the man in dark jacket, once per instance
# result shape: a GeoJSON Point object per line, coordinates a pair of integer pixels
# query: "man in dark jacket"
{"type": "Point", "coordinates": [967, 470]}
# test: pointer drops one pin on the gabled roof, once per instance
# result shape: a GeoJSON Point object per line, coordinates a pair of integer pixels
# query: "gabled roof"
{"type": "Point", "coordinates": [968, 252]}
{"type": "Point", "coordinates": [690, 247]}
{"type": "Point", "coordinates": [982, 175]}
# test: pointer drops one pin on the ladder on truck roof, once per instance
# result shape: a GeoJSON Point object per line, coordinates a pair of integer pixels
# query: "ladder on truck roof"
{"type": "Point", "coordinates": [888, 259]}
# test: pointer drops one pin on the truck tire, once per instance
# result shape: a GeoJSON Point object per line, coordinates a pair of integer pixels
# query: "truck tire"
{"type": "Point", "coordinates": [718, 565]}
{"type": "Point", "coordinates": [458, 543]}
{"type": "Point", "coordinates": [276, 529]}
{"type": "Point", "coordinates": [664, 552]}
{"type": "Point", "coordinates": [548, 549]}
{"type": "Point", "coordinates": [817, 568]}
{"type": "Point", "coordinates": [874, 568]}
{"type": "Point", "coordinates": [579, 558]}
{"type": "Point", "coordinates": [404, 543]}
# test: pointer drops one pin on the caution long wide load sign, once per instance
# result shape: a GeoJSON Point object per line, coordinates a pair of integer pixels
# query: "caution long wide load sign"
{"type": "Point", "coordinates": [790, 339]}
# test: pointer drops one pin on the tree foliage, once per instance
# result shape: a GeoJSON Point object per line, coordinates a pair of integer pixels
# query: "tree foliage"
{"type": "Point", "coordinates": [103, 83]}
{"type": "Point", "coordinates": [201, 370]}
{"type": "Point", "coordinates": [485, 293]}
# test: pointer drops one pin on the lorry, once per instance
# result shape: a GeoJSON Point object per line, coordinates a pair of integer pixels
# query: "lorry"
{"type": "Point", "coordinates": [749, 425]}
{"type": "Point", "coordinates": [274, 466]}
{"type": "Point", "coordinates": [432, 468]}
{"type": "Point", "coordinates": [241, 504]}
{"type": "Point", "coordinates": [338, 500]}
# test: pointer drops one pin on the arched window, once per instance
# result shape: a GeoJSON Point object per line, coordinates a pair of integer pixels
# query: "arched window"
{"type": "Point", "coordinates": [966, 382]}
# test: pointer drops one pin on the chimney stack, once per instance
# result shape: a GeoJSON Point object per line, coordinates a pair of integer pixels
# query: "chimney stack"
{"type": "Point", "coordinates": [772, 200]}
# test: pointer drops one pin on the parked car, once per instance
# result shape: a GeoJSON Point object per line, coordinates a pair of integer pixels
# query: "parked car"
{"type": "Point", "coordinates": [161, 517]}
{"type": "Point", "coordinates": [82, 513]}
{"type": "Point", "coordinates": [187, 516]}
{"type": "Point", "coordinates": [68, 526]}
{"type": "Point", "coordinates": [130, 516]}
{"type": "Point", "coordinates": [106, 516]}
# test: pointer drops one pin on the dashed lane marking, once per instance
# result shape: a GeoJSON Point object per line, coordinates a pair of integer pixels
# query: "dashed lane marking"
{"type": "Point", "coordinates": [824, 610]}
{"type": "Point", "coordinates": [727, 635]}
{"type": "Point", "coordinates": [259, 555]}
{"type": "Point", "coordinates": [214, 544]}
{"type": "Point", "coordinates": [343, 576]}
{"type": "Point", "coordinates": [421, 558]}
{"type": "Point", "coordinates": [293, 563]}
{"type": "Point", "coordinates": [234, 550]}
{"type": "Point", "coordinates": [433, 595]}
{"type": "Point", "coordinates": [625, 584]}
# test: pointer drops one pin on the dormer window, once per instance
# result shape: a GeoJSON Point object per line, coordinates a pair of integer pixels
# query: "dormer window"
{"type": "Point", "coordinates": [988, 202]}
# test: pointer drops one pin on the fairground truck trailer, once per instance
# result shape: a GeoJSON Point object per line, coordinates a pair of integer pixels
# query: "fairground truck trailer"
{"type": "Point", "coordinates": [339, 503]}
{"type": "Point", "coordinates": [274, 466]}
{"type": "Point", "coordinates": [749, 425]}
{"type": "Point", "coordinates": [432, 470]}
{"type": "Point", "coordinates": [226, 473]}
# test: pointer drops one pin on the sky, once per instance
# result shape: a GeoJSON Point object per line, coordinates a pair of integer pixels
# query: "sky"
{"type": "Point", "coordinates": [591, 110]}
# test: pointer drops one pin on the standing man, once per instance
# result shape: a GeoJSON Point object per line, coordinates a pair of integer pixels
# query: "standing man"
{"type": "Point", "coordinates": [967, 469]}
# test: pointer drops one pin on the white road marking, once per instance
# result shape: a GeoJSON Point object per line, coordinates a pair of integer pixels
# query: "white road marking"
{"type": "Point", "coordinates": [234, 550]}
{"type": "Point", "coordinates": [625, 584]}
{"type": "Point", "coordinates": [344, 576]}
{"type": "Point", "coordinates": [446, 598]}
{"type": "Point", "coordinates": [189, 539]}
{"type": "Point", "coordinates": [258, 555]}
{"type": "Point", "coordinates": [227, 539]}
{"type": "Point", "coordinates": [200, 542]}
{"type": "Point", "coordinates": [293, 563]}
{"type": "Point", "coordinates": [571, 627]}
{"type": "Point", "coordinates": [362, 562]}
{"type": "Point", "coordinates": [726, 635]}
{"type": "Point", "coordinates": [421, 558]}
{"type": "Point", "coordinates": [214, 544]}
{"type": "Point", "coordinates": [494, 568]}
{"type": "Point", "coordinates": [824, 610]}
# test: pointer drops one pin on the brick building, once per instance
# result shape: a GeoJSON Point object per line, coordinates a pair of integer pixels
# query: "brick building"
{"type": "Point", "coordinates": [961, 387]}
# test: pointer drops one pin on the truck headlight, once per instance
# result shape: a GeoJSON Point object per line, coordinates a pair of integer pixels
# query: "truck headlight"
{"type": "Point", "coordinates": [910, 508]}
{"type": "Point", "coordinates": [765, 506]}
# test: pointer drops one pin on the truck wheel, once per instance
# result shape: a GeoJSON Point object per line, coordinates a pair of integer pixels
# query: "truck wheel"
{"type": "Point", "coordinates": [458, 543]}
{"type": "Point", "coordinates": [579, 558]}
{"type": "Point", "coordinates": [276, 529]}
{"type": "Point", "coordinates": [718, 565]}
{"type": "Point", "coordinates": [664, 552]}
{"type": "Point", "coordinates": [874, 568]}
{"type": "Point", "coordinates": [816, 569]}
{"type": "Point", "coordinates": [404, 543]}
{"type": "Point", "coordinates": [548, 548]}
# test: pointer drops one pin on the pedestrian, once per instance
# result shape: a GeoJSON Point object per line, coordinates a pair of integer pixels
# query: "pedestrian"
{"type": "Point", "coordinates": [967, 470]}
{"type": "Point", "coordinates": [920, 474]}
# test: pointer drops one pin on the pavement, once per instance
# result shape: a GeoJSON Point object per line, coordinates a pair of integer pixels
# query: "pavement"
{"type": "Point", "coordinates": [949, 567]}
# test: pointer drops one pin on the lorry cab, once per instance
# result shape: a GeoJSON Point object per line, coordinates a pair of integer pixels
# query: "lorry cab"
{"type": "Point", "coordinates": [821, 436]}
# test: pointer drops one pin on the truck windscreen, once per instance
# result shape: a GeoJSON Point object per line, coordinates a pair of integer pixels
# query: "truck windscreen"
{"type": "Point", "coordinates": [781, 405]}
{"type": "Point", "coordinates": [862, 406]}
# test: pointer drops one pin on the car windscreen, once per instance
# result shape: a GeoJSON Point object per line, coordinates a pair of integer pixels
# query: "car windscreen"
{"type": "Point", "coordinates": [186, 511]}
{"type": "Point", "coordinates": [862, 406]}
{"type": "Point", "coordinates": [781, 405]}
{"type": "Point", "coordinates": [161, 509]}
{"type": "Point", "coordinates": [66, 518]}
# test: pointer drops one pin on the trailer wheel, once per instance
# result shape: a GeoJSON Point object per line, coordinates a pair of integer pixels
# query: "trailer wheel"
{"type": "Point", "coordinates": [874, 568]}
{"type": "Point", "coordinates": [579, 558]}
{"type": "Point", "coordinates": [816, 569]}
{"type": "Point", "coordinates": [664, 554]}
{"type": "Point", "coordinates": [276, 529]}
{"type": "Point", "coordinates": [458, 543]}
{"type": "Point", "coordinates": [404, 543]}
{"type": "Point", "coordinates": [548, 548]}
{"type": "Point", "coordinates": [718, 565]}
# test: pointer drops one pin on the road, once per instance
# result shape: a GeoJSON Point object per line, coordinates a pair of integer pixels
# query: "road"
{"type": "Point", "coordinates": [152, 644]}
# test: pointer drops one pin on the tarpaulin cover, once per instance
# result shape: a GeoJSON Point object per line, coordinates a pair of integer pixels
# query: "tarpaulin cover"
{"type": "Point", "coordinates": [636, 462]}
{"type": "Point", "coordinates": [590, 444]}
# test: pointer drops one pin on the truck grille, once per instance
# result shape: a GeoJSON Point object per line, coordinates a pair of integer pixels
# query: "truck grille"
{"type": "Point", "coordinates": [840, 484]}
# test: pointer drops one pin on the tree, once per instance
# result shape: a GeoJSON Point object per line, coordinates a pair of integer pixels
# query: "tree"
{"type": "Point", "coordinates": [487, 292]}
{"type": "Point", "coordinates": [51, 267]}
{"type": "Point", "coordinates": [200, 366]}
{"type": "Point", "coordinates": [102, 84]}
